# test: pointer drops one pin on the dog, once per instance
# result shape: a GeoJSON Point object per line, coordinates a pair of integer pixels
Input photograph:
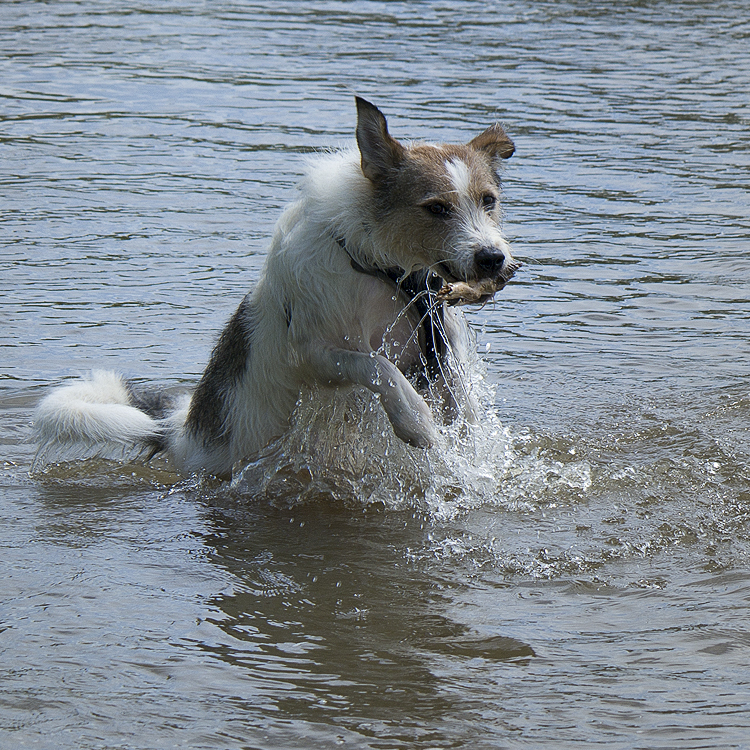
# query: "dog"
{"type": "Point", "coordinates": [352, 293]}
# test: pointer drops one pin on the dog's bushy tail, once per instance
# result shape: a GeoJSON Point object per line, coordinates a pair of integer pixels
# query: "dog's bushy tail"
{"type": "Point", "coordinates": [96, 415]}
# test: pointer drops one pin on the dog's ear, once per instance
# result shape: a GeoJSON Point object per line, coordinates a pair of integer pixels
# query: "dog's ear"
{"type": "Point", "coordinates": [494, 142]}
{"type": "Point", "coordinates": [380, 152]}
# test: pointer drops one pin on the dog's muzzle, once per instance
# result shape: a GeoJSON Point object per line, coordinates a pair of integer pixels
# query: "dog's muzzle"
{"type": "Point", "coordinates": [488, 262]}
{"type": "Point", "coordinates": [491, 262]}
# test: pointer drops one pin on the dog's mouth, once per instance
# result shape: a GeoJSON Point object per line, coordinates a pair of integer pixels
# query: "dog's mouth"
{"type": "Point", "coordinates": [444, 270]}
{"type": "Point", "coordinates": [507, 272]}
{"type": "Point", "coordinates": [477, 290]}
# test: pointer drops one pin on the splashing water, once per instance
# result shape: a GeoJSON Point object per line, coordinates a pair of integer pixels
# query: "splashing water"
{"type": "Point", "coordinates": [341, 446]}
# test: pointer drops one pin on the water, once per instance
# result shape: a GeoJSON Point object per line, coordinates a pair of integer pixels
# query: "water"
{"type": "Point", "coordinates": [582, 575]}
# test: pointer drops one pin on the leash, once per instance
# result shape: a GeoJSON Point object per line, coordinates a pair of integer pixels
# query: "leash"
{"type": "Point", "coordinates": [413, 287]}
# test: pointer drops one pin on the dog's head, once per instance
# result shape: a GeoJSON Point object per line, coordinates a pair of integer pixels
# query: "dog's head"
{"type": "Point", "coordinates": [437, 206]}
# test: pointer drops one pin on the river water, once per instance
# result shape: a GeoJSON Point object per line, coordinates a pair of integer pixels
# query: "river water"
{"type": "Point", "coordinates": [579, 577]}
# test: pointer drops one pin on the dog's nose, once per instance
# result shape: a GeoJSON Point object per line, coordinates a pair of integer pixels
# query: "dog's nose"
{"type": "Point", "coordinates": [489, 261]}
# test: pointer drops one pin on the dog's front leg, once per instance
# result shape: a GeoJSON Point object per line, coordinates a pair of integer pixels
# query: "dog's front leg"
{"type": "Point", "coordinates": [407, 410]}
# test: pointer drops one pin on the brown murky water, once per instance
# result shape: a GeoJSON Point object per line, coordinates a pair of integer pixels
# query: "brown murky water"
{"type": "Point", "coordinates": [578, 576]}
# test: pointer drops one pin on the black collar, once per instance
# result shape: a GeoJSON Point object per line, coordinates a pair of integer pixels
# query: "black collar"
{"type": "Point", "coordinates": [394, 275]}
{"type": "Point", "coordinates": [419, 288]}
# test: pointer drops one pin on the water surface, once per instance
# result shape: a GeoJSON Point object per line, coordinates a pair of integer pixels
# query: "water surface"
{"type": "Point", "coordinates": [582, 575]}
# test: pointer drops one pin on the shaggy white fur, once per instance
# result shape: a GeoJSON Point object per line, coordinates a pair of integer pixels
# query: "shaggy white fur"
{"type": "Point", "coordinates": [95, 409]}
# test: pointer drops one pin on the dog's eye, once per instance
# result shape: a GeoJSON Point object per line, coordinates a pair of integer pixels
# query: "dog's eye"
{"type": "Point", "coordinates": [438, 208]}
{"type": "Point", "coordinates": [489, 202]}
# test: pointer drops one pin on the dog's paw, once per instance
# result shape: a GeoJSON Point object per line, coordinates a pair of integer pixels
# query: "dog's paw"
{"type": "Point", "coordinates": [417, 438]}
{"type": "Point", "coordinates": [410, 417]}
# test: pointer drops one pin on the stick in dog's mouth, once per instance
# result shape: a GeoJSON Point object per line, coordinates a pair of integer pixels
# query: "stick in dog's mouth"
{"type": "Point", "coordinates": [477, 291]}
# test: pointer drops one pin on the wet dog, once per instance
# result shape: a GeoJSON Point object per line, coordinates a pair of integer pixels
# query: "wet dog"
{"type": "Point", "coordinates": [352, 294]}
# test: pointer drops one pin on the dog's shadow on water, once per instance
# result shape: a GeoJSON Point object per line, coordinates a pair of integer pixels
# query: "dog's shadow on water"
{"type": "Point", "coordinates": [328, 602]}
